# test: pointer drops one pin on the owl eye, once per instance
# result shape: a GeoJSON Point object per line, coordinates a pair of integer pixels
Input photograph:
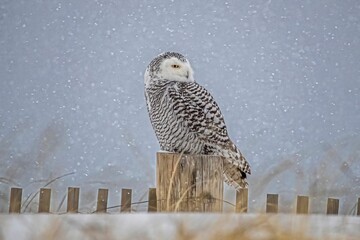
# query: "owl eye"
{"type": "Point", "coordinates": [175, 66]}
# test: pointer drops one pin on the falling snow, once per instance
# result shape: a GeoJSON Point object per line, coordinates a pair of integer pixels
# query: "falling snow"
{"type": "Point", "coordinates": [286, 75]}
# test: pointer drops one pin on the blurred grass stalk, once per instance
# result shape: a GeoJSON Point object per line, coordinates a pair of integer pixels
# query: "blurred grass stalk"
{"type": "Point", "coordinates": [207, 226]}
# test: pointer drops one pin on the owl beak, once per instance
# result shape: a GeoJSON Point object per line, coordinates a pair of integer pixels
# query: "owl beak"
{"type": "Point", "coordinates": [187, 74]}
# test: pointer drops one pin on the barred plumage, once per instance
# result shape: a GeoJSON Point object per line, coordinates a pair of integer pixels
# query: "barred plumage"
{"type": "Point", "coordinates": [186, 118]}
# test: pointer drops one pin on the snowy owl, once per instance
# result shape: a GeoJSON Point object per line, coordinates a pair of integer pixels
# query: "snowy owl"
{"type": "Point", "coordinates": [186, 118]}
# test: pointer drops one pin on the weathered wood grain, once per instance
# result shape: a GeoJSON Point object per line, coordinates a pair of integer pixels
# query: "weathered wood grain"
{"type": "Point", "coordinates": [191, 183]}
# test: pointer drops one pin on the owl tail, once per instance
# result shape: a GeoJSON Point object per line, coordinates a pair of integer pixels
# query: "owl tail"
{"type": "Point", "coordinates": [234, 176]}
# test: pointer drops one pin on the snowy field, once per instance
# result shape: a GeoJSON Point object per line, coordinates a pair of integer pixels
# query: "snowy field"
{"type": "Point", "coordinates": [179, 226]}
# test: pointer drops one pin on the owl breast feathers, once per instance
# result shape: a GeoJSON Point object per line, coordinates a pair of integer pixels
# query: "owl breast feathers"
{"type": "Point", "coordinates": [186, 118]}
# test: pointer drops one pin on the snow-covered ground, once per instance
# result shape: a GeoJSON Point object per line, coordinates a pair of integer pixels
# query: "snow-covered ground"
{"type": "Point", "coordinates": [179, 226]}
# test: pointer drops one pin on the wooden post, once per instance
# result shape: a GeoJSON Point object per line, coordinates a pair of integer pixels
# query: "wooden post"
{"type": "Point", "coordinates": [302, 205]}
{"type": "Point", "coordinates": [125, 200]}
{"type": "Point", "coordinates": [15, 200]}
{"type": "Point", "coordinates": [73, 200]}
{"type": "Point", "coordinates": [152, 206]}
{"type": "Point", "coordinates": [191, 183]}
{"type": "Point", "coordinates": [332, 206]}
{"type": "Point", "coordinates": [272, 203]}
{"type": "Point", "coordinates": [358, 207]}
{"type": "Point", "coordinates": [242, 199]}
{"type": "Point", "coordinates": [44, 200]}
{"type": "Point", "coordinates": [102, 200]}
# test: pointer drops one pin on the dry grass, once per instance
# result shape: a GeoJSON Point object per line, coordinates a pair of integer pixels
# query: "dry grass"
{"type": "Point", "coordinates": [34, 166]}
{"type": "Point", "coordinates": [332, 176]}
{"type": "Point", "coordinates": [179, 227]}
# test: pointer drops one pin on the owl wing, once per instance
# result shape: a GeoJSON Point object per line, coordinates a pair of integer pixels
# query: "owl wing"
{"type": "Point", "coordinates": [199, 113]}
{"type": "Point", "coordinates": [197, 110]}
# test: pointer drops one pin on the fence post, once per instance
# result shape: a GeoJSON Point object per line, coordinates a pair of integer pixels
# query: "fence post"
{"type": "Point", "coordinates": [192, 183]}
{"type": "Point", "coordinates": [272, 203]}
{"type": "Point", "coordinates": [102, 199]}
{"type": "Point", "coordinates": [242, 199]}
{"type": "Point", "coordinates": [125, 200]}
{"type": "Point", "coordinates": [152, 206]}
{"type": "Point", "coordinates": [15, 200]}
{"type": "Point", "coordinates": [358, 207]}
{"type": "Point", "coordinates": [73, 199]}
{"type": "Point", "coordinates": [44, 200]}
{"type": "Point", "coordinates": [302, 205]}
{"type": "Point", "coordinates": [332, 206]}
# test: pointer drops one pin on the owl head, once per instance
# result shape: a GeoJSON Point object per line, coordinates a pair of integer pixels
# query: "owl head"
{"type": "Point", "coordinates": [169, 66]}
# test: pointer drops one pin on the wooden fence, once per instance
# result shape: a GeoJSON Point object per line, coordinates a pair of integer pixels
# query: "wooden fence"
{"type": "Point", "coordinates": [184, 183]}
{"type": "Point", "coordinates": [241, 206]}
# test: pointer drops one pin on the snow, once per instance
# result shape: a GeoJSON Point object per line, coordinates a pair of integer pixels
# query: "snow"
{"type": "Point", "coordinates": [179, 226]}
{"type": "Point", "coordinates": [285, 75]}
